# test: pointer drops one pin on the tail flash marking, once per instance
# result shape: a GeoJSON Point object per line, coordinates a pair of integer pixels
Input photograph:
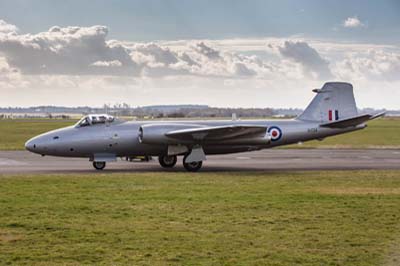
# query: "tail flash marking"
{"type": "Point", "coordinates": [331, 113]}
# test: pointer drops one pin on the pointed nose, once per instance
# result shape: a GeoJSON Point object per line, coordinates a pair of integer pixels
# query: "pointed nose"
{"type": "Point", "coordinates": [30, 145]}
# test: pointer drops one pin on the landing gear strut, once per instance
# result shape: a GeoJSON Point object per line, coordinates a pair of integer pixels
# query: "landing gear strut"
{"type": "Point", "coordinates": [167, 161]}
{"type": "Point", "coordinates": [99, 165]}
{"type": "Point", "coordinates": [192, 166]}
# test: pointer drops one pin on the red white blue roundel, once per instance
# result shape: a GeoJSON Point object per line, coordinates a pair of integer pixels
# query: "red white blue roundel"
{"type": "Point", "coordinates": [275, 133]}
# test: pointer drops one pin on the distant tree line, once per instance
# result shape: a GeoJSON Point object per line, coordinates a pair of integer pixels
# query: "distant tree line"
{"type": "Point", "coordinates": [155, 111]}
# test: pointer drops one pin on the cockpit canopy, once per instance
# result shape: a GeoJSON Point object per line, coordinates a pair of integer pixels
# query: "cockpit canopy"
{"type": "Point", "coordinates": [94, 119]}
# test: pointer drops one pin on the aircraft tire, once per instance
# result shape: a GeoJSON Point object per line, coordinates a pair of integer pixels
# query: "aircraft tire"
{"type": "Point", "coordinates": [167, 161]}
{"type": "Point", "coordinates": [193, 166]}
{"type": "Point", "coordinates": [99, 165]}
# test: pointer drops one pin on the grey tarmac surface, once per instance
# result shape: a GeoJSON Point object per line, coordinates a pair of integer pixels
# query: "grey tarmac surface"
{"type": "Point", "coordinates": [23, 162]}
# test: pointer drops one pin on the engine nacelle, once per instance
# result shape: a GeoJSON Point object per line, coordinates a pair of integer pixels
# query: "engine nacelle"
{"type": "Point", "coordinates": [155, 133]}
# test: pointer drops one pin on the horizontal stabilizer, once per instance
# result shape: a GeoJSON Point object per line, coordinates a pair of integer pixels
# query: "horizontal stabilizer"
{"type": "Point", "coordinates": [378, 115]}
{"type": "Point", "coordinates": [217, 133]}
{"type": "Point", "coordinates": [351, 122]}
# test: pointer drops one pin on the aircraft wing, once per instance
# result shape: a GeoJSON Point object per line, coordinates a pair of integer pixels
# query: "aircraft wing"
{"type": "Point", "coordinates": [353, 121]}
{"type": "Point", "coordinates": [217, 133]}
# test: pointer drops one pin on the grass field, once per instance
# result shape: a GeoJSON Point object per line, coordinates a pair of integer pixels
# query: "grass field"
{"type": "Point", "coordinates": [381, 133]}
{"type": "Point", "coordinates": [294, 218]}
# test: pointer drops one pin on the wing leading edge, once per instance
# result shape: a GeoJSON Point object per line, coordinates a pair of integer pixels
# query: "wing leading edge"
{"type": "Point", "coordinates": [217, 133]}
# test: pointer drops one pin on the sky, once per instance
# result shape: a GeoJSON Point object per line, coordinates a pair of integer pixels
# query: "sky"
{"type": "Point", "coordinates": [221, 53]}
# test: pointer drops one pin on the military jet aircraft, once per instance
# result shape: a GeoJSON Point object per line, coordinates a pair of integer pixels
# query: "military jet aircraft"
{"type": "Point", "coordinates": [102, 138]}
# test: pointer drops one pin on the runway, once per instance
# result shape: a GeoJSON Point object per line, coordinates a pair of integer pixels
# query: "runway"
{"type": "Point", "coordinates": [23, 162]}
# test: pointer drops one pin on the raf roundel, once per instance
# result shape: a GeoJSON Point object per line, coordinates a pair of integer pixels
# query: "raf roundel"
{"type": "Point", "coordinates": [275, 133]}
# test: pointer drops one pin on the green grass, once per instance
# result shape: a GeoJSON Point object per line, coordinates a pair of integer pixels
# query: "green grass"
{"type": "Point", "coordinates": [293, 218]}
{"type": "Point", "coordinates": [381, 133]}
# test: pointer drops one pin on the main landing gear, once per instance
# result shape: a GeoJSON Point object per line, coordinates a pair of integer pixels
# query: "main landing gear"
{"type": "Point", "coordinates": [192, 166]}
{"type": "Point", "coordinates": [167, 161]}
{"type": "Point", "coordinates": [99, 165]}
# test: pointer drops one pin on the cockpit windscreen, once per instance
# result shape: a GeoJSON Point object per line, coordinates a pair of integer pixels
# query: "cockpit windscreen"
{"type": "Point", "coordinates": [94, 119]}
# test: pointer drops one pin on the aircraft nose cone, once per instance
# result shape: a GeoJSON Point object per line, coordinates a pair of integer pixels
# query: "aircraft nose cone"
{"type": "Point", "coordinates": [30, 145]}
{"type": "Point", "coordinates": [36, 145]}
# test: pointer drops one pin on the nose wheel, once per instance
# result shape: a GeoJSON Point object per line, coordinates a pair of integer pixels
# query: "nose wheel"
{"type": "Point", "coordinates": [167, 161]}
{"type": "Point", "coordinates": [191, 166]}
{"type": "Point", "coordinates": [99, 165]}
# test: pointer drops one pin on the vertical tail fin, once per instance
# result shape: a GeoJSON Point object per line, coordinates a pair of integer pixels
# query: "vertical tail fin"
{"type": "Point", "coordinates": [335, 101]}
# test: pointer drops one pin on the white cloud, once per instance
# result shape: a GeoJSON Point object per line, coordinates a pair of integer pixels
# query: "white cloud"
{"type": "Point", "coordinates": [114, 63]}
{"type": "Point", "coordinates": [69, 51]}
{"type": "Point", "coordinates": [241, 70]}
{"type": "Point", "coordinates": [352, 22]}
{"type": "Point", "coordinates": [308, 57]}
{"type": "Point", "coordinates": [7, 28]}
{"type": "Point", "coordinates": [155, 54]}
{"type": "Point", "coordinates": [376, 65]}
{"type": "Point", "coordinates": [206, 51]}
{"type": "Point", "coordinates": [86, 51]}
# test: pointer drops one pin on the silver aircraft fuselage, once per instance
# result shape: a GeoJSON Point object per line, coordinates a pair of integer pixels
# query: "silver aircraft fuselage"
{"type": "Point", "coordinates": [122, 138]}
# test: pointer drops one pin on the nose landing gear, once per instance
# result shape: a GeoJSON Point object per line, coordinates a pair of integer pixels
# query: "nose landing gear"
{"type": "Point", "coordinates": [99, 165]}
